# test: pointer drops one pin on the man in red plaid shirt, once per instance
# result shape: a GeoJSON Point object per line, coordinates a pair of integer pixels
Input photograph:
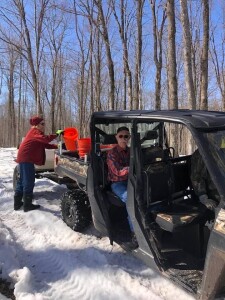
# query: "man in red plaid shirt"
{"type": "Point", "coordinates": [118, 160]}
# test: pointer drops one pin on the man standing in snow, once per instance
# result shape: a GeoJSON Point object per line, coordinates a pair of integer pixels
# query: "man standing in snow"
{"type": "Point", "coordinates": [31, 152]}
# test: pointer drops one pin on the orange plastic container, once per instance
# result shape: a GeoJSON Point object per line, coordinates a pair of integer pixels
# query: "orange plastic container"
{"type": "Point", "coordinates": [70, 138]}
{"type": "Point", "coordinates": [84, 146]}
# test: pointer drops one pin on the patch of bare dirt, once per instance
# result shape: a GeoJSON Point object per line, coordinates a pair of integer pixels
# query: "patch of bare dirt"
{"type": "Point", "coordinates": [6, 290]}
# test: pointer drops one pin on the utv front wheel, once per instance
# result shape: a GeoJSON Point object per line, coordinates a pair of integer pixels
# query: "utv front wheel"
{"type": "Point", "coordinates": [76, 210]}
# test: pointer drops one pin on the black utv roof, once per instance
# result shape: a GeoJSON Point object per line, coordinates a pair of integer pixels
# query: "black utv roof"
{"type": "Point", "coordinates": [200, 119]}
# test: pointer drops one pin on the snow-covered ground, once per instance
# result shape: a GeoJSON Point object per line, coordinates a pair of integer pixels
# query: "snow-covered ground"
{"type": "Point", "coordinates": [45, 259]}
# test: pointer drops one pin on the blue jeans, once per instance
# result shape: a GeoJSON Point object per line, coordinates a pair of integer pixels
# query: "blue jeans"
{"type": "Point", "coordinates": [26, 180]}
{"type": "Point", "coordinates": [120, 189]}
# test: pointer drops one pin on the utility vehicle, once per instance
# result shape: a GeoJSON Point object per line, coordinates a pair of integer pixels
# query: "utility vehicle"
{"type": "Point", "coordinates": [176, 234]}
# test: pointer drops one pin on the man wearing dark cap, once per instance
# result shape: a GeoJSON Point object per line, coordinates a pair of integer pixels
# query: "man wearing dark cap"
{"type": "Point", "coordinates": [31, 152]}
{"type": "Point", "coordinates": [118, 160]}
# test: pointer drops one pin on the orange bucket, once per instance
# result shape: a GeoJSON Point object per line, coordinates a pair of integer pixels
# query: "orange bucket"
{"type": "Point", "coordinates": [84, 146]}
{"type": "Point", "coordinates": [70, 138]}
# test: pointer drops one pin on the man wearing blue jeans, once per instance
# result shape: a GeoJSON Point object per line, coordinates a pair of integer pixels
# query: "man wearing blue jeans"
{"type": "Point", "coordinates": [118, 160]}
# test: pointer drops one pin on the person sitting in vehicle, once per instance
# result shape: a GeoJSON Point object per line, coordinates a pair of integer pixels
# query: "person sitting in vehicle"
{"type": "Point", "coordinates": [118, 160]}
{"type": "Point", "coordinates": [202, 183]}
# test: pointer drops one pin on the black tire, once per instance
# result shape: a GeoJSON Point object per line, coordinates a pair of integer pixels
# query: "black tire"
{"type": "Point", "coordinates": [76, 210]}
{"type": "Point", "coordinates": [16, 174]}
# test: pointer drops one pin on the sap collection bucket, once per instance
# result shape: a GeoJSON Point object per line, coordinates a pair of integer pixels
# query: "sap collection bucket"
{"type": "Point", "coordinates": [84, 146]}
{"type": "Point", "coordinates": [70, 138]}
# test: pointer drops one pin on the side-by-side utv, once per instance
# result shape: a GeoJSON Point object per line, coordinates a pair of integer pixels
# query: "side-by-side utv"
{"type": "Point", "coordinates": [176, 233]}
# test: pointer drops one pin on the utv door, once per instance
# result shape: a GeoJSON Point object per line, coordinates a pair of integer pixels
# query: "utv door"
{"type": "Point", "coordinates": [97, 196]}
{"type": "Point", "coordinates": [213, 283]}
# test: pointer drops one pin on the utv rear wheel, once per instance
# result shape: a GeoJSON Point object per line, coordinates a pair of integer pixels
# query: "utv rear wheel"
{"type": "Point", "coordinates": [76, 210]}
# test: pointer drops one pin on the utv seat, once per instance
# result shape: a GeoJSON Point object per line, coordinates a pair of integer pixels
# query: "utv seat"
{"type": "Point", "coordinates": [169, 196]}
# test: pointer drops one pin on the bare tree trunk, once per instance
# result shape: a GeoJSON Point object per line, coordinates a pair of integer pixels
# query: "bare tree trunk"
{"type": "Point", "coordinates": [123, 35]}
{"type": "Point", "coordinates": [187, 55]}
{"type": "Point", "coordinates": [91, 71]}
{"type": "Point", "coordinates": [105, 36]}
{"type": "Point", "coordinates": [137, 85]}
{"type": "Point", "coordinates": [33, 63]}
{"type": "Point", "coordinates": [157, 34]}
{"type": "Point", "coordinates": [204, 58]}
{"type": "Point", "coordinates": [219, 66]}
{"type": "Point", "coordinates": [82, 85]}
{"type": "Point", "coordinates": [172, 65]}
{"type": "Point", "coordinates": [98, 74]}
{"type": "Point", "coordinates": [11, 107]}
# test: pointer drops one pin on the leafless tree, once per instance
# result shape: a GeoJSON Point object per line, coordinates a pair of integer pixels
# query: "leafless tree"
{"type": "Point", "coordinates": [171, 64]}
{"type": "Point", "coordinates": [138, 57]}
{"type": "Point", "coordinates": [157, 35]}
{"type": "Point", "coordinates": [56, 27]}
{"type": "Point", "coordinates": [171, 70]}
{"type": "Point", "coordinates": [31, 52]}
{"type": "Point", "coordinates": [11, 122]}
{"type": "Point", "coordinates": [219, 65]}
{"type": "Point", "coordinates": [104, 32]}
{"type": "Point", "coordinates": [188, 55]}
{"type": "Point", "coordinates": [123, 25]}
{"type": "Point", "coordinates": [204, 57]}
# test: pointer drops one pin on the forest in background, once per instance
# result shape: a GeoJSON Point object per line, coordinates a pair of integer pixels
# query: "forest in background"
{"type": "Point", "coordinates": [66, 59]}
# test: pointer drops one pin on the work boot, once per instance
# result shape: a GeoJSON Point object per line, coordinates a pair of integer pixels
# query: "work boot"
{"type": "Point", "coordinates": [28, 205]}
{"type": "Point", "coordinates": [18, 203]}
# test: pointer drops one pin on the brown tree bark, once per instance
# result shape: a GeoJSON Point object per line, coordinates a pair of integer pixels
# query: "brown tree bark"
{"type": "Point", "coordinates": [187, 55]}
{"type": "Point", "coordinates": [204, 57]}
{"type": "Point", "coordinates": [34, 63]}
{"type": "Point", "coordinates": [105, 36]}
{"type": "Point", "coordinates": [219, 66]}
{"type": "Point", "coordinates": [157, 35]}
{"type": "Point", "coordinates": [123, 27]}
{"type": "Point", "coordinates": [11, 119]}
{"type": "Point", "coordinates": [171, 64]}
{"type": "Point", "coordinates": [138, 56]}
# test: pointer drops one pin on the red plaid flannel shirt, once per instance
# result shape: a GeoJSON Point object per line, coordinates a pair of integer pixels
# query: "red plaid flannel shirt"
{"type": "Point", "coordinates": [118, 164]}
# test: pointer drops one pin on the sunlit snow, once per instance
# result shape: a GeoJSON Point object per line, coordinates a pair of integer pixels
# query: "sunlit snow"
{"type": "Point", "coordinates": [45, 259]}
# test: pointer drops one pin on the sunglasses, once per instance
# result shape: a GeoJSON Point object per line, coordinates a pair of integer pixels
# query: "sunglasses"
{"type": "Point", "coordinates": [42, 124]}
{"type": "Point", "coordinates": [125, 136]}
